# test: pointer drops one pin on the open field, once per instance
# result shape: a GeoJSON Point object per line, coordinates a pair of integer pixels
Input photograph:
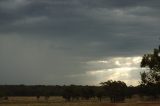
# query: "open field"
{"type": "Point", "coordinates": [58, 101]}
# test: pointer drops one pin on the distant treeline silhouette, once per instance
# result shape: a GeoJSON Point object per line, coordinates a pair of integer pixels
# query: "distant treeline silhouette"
{"type": "Point", "coordinates": [117, 91]}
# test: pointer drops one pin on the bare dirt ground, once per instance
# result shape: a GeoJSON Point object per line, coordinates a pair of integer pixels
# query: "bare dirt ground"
{"type": "Point", "coordinates": [58, 101]}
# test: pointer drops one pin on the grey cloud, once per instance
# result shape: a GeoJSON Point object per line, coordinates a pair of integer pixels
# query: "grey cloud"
{"type": "Point", "coordinates": [29, 60]}
{"type": "Point", "coordinates": [42, 36]}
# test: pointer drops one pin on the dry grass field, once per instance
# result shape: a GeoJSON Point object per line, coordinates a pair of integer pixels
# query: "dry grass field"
{"type": "Point", "coordinates": [58, 101]}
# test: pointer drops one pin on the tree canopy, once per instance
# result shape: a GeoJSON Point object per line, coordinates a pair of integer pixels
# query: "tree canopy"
{"type": "Point", "coordinates": [150, 79]}
{"type": "Point", "coordinates": [152, 61]}
{"type": "Point", "coordinates": [115, 90]}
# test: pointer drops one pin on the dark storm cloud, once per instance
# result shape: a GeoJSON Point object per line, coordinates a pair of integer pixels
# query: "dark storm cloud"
{"type": "Point", "coordinates": [52, 38]}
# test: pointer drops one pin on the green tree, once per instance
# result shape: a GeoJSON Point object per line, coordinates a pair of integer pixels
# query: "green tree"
{"type": "Point", "coordinates": [150, 79]}
{"type": "Point", "coordinates": [152, 62]}
{"type": "Point", "coordinates": [100, 93]}
{"type": "Point", "coordinates": [115, 90]}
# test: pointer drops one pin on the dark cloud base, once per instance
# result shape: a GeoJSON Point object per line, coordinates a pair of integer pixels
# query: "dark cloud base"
{"type": "Point", "coordinates": [53, 39]}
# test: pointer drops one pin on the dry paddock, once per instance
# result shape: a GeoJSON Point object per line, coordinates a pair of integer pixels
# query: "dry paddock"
{"type": "Point", "coordinates": [58, 101]}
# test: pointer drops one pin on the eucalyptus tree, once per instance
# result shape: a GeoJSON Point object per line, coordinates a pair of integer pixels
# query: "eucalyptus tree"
{"type": "Point", "coordinates": [150, 78]}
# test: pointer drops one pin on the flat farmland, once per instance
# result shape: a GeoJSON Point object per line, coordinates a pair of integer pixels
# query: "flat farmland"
{"type": "Point", "coordinates": [59, 101]}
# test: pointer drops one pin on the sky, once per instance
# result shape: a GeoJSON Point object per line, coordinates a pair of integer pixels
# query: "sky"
{"type": "Point", "coordinates": [57, 42]}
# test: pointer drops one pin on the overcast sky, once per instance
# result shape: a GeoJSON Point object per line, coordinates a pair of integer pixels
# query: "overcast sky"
{"type": "Point", "coordinates": [76, 41]}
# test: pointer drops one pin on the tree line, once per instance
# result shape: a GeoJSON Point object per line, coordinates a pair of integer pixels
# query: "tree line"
{"type": "Point", "coordinates": [117, 91]}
